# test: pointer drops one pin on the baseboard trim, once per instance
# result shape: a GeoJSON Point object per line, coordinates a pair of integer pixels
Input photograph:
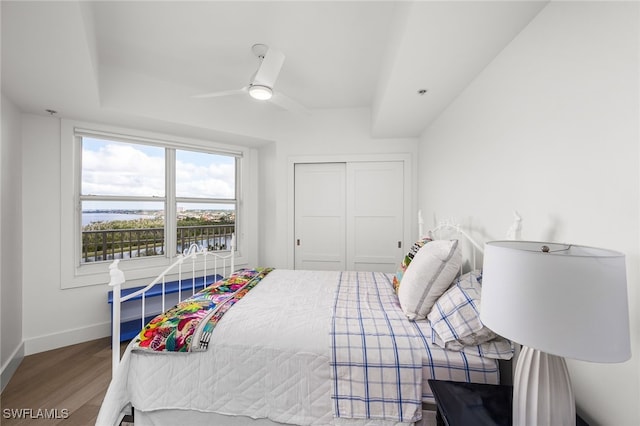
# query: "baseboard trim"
{"type": "Point", "coordinates": [61, 339]}
{"type": "Point", "coordinates": [10, 367]}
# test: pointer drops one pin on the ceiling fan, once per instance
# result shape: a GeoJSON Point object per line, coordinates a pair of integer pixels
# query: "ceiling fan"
{"type": "Point", "coordinates": [261, 84]}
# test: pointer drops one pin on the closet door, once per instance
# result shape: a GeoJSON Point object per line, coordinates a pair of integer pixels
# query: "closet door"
{"type": "Point", "coordinates": [320, 216]}
{"type": "Point", "coordinates": [349, 216]}
{"type": "Point", "coordinates": [375, 200]}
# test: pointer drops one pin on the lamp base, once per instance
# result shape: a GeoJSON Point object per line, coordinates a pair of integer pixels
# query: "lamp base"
{"type": "Point", "coordinates": [542, 392]}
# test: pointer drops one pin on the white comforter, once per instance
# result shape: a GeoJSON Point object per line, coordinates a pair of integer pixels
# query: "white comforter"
{"type": "Point", "coordinates": [269, 358]}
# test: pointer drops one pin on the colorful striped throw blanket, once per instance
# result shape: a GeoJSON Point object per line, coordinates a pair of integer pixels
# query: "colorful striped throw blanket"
{"type": "Point", "coordinates": [187, 326]}
{"type": "Point", "coordinates": [376, 355]}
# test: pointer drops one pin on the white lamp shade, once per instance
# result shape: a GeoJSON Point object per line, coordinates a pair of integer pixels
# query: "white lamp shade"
{"type": "Point", "coordinates": [570, 301]}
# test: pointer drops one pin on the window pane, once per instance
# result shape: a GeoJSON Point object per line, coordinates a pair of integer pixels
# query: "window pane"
{"type": "Point", "coordinates": [205, 175]}
{"type": "Point", "coordinates": [205, 224]}
{"type": "Point", "coordinates": [121, 230]}
{"type": "Point", "coordinates": [119, 168]}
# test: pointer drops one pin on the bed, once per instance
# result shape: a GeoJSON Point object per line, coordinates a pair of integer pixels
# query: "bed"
{"type": "Point", "coordinates": [312, 348]}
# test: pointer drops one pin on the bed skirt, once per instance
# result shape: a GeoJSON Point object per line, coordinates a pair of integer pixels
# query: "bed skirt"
{"type": "Point", "coordinates": [196, 418]}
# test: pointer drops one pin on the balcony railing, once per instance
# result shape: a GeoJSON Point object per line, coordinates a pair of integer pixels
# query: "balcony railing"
{"type": "Point", "coordinates": [113, 244]}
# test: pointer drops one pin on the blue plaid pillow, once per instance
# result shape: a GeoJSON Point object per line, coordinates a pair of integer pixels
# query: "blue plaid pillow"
{"type": "Point", "coordinates": [456, 314]}
{"type": "Point", "coordinates": [455, 321]}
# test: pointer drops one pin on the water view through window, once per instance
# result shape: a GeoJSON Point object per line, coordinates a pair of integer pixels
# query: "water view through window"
{"type": "Point", "coordinates": [125, 194]}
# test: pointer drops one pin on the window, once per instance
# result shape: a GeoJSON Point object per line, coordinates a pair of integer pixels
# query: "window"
{"type": "Point", "coordinates": [122, 200]}
{"type": "Point", "coordinates": [205, 199]}
{"type": "Point", "coordinates": [144, 198]}
{"type": "Point", "coordinates": [131, 207]}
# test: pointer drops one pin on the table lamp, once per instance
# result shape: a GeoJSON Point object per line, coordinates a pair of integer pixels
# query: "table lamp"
{"type": "Point", "coordinates": [557, 301]}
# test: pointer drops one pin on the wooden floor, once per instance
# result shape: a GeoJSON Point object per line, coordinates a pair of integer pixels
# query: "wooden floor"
{"type": "Point", "coordinates": [67, 382]}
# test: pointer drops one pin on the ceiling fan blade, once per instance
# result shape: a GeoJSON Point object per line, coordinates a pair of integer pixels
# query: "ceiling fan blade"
{"type": "Point", "coordinates": [223, 93]}
{"type": "Point", "coordinates": [288, 104]}
{"type": "Point", "coordinates": [269, 69]}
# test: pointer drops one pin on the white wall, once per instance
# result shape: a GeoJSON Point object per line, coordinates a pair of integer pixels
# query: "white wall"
{"type": "Point", "coordinates": [11, 348]}
{"type": "Point", "coordinates": [339, 133]}
{"type": "Point", "coordinates": [53, 317]}
{"type": "Point", "coordinates": [551, 128]}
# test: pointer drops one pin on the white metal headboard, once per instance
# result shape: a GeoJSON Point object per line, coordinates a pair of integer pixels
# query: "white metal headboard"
{"type": "Point", "coordinates": [447, 225]}
{"type": "Point", "coordinates": [514, 232]}
{"type": "Point", "coordinates": [456, 227]}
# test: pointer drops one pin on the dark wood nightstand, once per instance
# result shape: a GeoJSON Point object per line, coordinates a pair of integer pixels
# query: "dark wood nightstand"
{"type": "Point", "coordinates": [474, 404]}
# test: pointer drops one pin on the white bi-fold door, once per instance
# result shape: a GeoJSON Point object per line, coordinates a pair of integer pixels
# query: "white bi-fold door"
{"type": "Point", "coordinates": [349, 216]}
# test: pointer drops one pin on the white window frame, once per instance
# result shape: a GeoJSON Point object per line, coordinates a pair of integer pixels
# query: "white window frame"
{"type": "Point", "coordinates": [76, 274]}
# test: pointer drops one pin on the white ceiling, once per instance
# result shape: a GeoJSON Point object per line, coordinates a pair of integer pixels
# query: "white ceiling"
{"type": "Point", "coordinates": [140, 63]}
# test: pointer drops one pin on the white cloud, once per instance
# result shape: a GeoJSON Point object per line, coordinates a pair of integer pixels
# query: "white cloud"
{"type": "Point", "coordinates": [121, 169]}
{"type": "Point", "coordinates": [212, 181]}
{"type": "Point", "coordinates": [125, 169]}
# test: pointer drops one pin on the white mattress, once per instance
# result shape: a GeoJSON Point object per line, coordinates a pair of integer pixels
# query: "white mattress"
{"type": "Point", "coordinates": [269, 358]}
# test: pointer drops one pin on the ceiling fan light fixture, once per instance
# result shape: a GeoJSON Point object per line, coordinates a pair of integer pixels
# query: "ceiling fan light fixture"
{"type": "Point", "coordinates": [260, 92]}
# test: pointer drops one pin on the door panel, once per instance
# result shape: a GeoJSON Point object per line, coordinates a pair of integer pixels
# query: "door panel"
{"type": "Point", "coordinates": [374, 215]}
{"type": "Point", "coordinates": [320, 216]}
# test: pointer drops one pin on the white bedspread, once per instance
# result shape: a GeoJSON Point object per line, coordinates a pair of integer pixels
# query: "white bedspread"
{"type": "Point", "coordinates": [269, 358]}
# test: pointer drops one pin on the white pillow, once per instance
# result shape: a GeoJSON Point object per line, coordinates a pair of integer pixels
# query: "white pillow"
{"type": "Point", "coordinates": [429, 275]}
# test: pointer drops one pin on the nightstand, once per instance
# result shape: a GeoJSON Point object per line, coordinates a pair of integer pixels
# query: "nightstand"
{"type": "Point", "coordinates": [476, 404]}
